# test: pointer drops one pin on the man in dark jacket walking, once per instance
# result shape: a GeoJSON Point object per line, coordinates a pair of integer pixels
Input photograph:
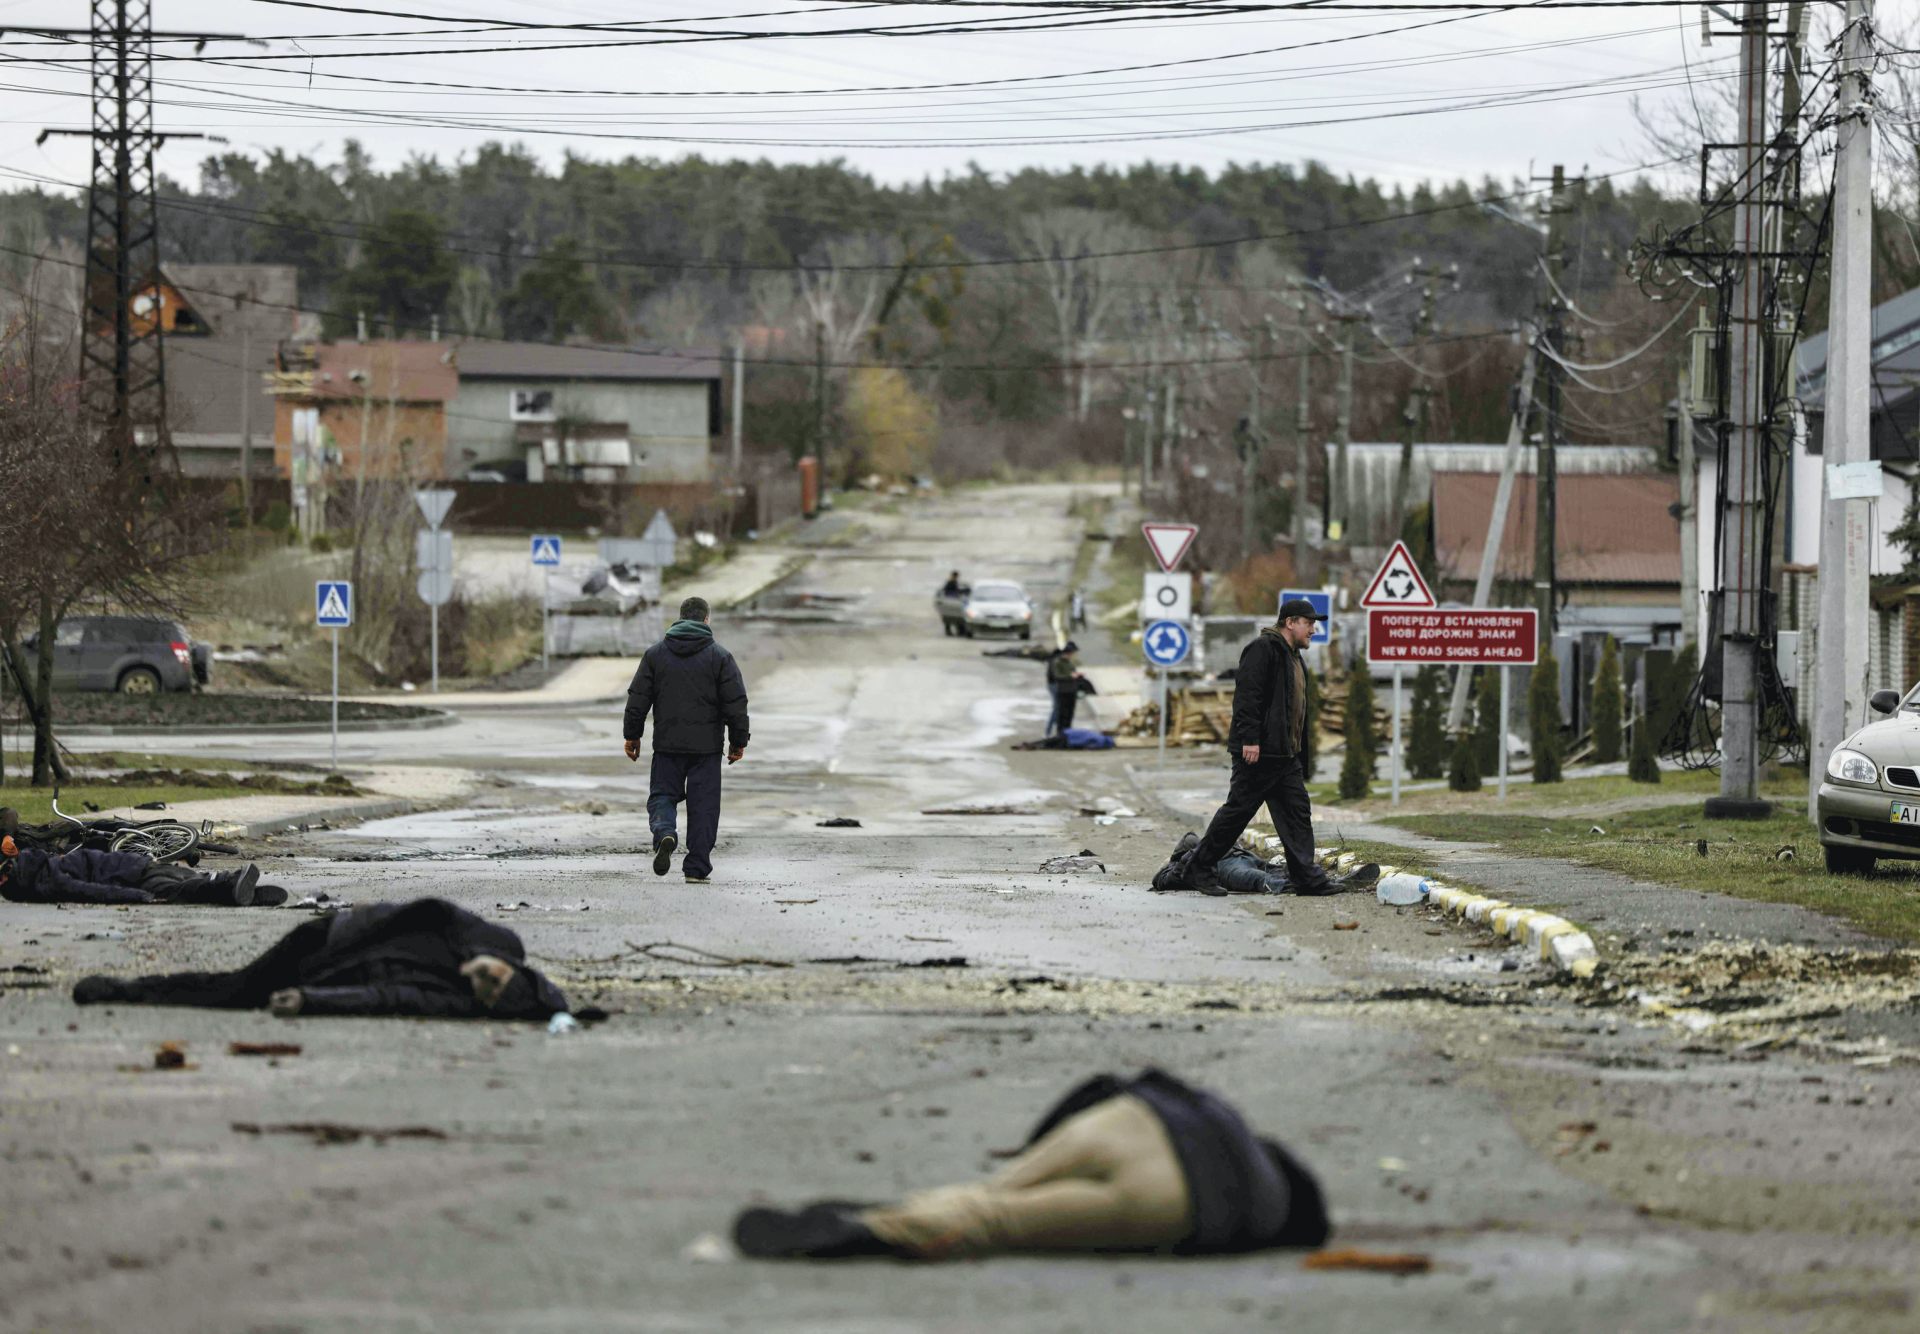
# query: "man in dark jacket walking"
{"type": "Point", "coordinates": [1265, 742]}
{"type": "Point", "coordinates": [692, 687]}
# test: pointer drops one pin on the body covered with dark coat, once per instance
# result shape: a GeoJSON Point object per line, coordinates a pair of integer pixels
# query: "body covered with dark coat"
{"type": "Point", "coordinates": [80, 876]}
{"type": "Point", "coordinates": [1248, 1193]}
{"type": "Point", "coordinates": [1263, 697]}
{"type": "Point", "coordinates": [694, 691]}
{"type": "Point", "coordinates": [379, 958]}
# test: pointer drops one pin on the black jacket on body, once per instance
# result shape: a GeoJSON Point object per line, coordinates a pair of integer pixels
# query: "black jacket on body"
{"type": "Point", "coordinates": [80, 876]}
{"type": "Point", "coordinates": [693, 688]}
{"type": "Point", "coordinates": [1247, 1193]}
{"type": "Point", "coordinates": [375, 959]}
{"type": "Point", "coordinates": [1263, 697]}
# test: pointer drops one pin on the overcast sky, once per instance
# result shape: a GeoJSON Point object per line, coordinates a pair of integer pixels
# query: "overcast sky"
{"type": "Point", "coordinates": [1374, 94]}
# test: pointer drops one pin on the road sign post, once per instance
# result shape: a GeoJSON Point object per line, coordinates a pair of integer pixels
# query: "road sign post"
{"type": "Point", "coordinates": [1500, 637]}
{"type": "Point", "coordinates": [436, 550]}
{"type": "Point", "coordinates": [1166, 645]}
{"type": "Point", "coordinates": [1169, 541]}
{"type": "Point", "coordinates": [1397, 585]}
{"type": "Point", "coordinates": [333, 610]}
{"type": "Point", "coordinates": [544, 551]}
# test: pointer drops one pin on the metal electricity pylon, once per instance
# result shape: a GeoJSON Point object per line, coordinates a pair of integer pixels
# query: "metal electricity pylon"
{"type": "Point", "coordinates": [122, 379]}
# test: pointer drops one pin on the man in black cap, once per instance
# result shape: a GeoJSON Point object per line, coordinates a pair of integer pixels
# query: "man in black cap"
{"type": "Point", "coordinates": [1266, 742]}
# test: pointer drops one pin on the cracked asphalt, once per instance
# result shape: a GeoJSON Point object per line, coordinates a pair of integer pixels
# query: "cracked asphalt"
{"type": "Point", "coordinates": [1569, 1160]}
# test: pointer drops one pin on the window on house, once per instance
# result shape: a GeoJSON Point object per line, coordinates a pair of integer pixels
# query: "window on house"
{"type": "Point", "coordinates": [532, 405]}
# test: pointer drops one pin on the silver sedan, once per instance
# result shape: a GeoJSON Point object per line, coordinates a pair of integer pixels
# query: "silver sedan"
{"type": "Point", "coordinates": [1869, 802]}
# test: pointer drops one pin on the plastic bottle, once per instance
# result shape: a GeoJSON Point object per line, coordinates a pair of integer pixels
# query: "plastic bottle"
{"type": "Point", "coordinates": [1402, 889]}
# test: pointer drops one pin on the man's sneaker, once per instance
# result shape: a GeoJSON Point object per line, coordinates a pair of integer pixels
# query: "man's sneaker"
{"type": "Point", "coordinates": [1206, 879]}
{"type": "Point", "coordinates": [699, 880]}
{"type": "Point", "coordinates": [1188, 842]}
{"type": "Point", "coordinates": [243, 885]}
{"type": "Point", "coordinates": [1361, 876]}
{"type": "Point", "coordinates": [819, 1232]}
{"type": "Point", "coordinates": [663, 852]}
{"type": "Point", "coordinates": [1323, 888]}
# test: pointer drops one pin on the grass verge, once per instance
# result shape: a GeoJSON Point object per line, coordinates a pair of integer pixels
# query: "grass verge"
{"type": "Point", "coordinates": [1742, 859]}
{"type": "Point", "coordinates": [35, 804]}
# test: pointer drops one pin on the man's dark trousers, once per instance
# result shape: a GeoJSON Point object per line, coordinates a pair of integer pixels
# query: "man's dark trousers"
{"type": "Point", "coordinates": [1282, 785]}
{"type": "Point", "coordinates": [694, 779]}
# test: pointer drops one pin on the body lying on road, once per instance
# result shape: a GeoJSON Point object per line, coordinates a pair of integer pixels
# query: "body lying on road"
{"type": "Point", "coordinates": [84, 875]}
{"type": "Point", "coordinates": [1148, 1164]}
{"type": "Point", "coordinates": [1241, 872]}
{"type": "Point", "coordinates": [428, 957]}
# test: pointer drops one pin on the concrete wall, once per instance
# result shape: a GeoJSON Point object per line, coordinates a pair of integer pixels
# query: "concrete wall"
{"type": "Point", "coordinates": [666, 423]}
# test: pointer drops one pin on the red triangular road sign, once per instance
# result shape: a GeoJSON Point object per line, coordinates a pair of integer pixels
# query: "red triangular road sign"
{"type": "Point", "coordinates": [1398, 583]}
{"type": "Point", "coordinates": [1169, 541]}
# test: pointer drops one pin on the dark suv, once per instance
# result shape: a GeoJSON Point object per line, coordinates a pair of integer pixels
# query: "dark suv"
{"type": "Point", "coordinates": [136, 655]}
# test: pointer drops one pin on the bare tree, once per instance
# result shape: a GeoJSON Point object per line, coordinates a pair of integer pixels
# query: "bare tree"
{"type": "Point", "coordinates": [84, 522]}
{"type": "Point", "coordinates": [1083, 282]}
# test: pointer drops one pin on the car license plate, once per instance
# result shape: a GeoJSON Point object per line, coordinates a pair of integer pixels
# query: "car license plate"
{"type": "Point", "coordinates": [1904, 814]}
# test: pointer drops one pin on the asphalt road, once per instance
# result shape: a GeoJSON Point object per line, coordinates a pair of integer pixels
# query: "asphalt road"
{"type": "Point", "coordinates": [1568, 1165]}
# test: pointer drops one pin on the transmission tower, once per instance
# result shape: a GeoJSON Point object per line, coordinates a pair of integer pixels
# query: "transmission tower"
{"type": "Point", "coordinates": [122, 378]}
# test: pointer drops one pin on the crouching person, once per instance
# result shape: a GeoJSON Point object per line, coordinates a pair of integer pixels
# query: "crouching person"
{"type": "Point", "coordinates": [428, 957]}
{"type": "Point", "coordinates": [1149, 1164]}
{"type": "Point", "coordinates": [32, 875]}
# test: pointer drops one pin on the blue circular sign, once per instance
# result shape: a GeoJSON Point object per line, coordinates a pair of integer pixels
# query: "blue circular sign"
{"type": "Point", "coordinates": [1166, 643]}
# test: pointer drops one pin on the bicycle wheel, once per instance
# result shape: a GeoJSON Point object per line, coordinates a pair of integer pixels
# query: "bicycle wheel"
{"type": "Point", "coordinates": [163, 841]}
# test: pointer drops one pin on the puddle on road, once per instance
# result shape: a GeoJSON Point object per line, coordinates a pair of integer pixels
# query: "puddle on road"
{"type": "Point", "coordinates": [800, 605]}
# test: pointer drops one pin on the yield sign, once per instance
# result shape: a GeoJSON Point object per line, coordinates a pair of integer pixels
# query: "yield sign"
{"type": "Point", "coordinates": [1169, 541]}
{"type": "Point", "coordinates": [1398, 583]}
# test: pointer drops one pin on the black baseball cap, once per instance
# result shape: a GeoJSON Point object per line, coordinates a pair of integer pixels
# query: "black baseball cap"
{"type": "Point", "coordinates": [1293, 607]}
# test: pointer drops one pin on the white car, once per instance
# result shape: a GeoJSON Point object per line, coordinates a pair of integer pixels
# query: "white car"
{"type": "Point", "coordinates": [1869, 805]}
{"type": "Point", "coordinates": [996, 605]}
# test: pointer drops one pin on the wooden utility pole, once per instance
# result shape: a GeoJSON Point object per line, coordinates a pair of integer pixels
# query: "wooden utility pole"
{"type": "Point", "coordinates": [1546, 473]}
{"type": "Point", "coordinates": [1422, 327]}
{"type": "Point", "coordinates": [820, 393]}
{"type": "Point", "coordinates": [1749, 328]}
{"type": "Point", "coordinates": [1339, 486]}
{"type": "Point", "coordinates": [1253, 439]}
{"type": "Point", "coordinates": [1497, 529]}
{"type": "Point", "coordinates": [1840, 686]}
{"type": "Point", "coordinates": [249, 386]}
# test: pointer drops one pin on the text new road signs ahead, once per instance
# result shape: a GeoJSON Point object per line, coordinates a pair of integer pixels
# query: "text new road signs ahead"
{"type": "Point", "coordinates": [333, 603]}
{"type": "Point", "coordinates": [546, 550]}
{"type": "Point", "coordinates": [1486, 637]}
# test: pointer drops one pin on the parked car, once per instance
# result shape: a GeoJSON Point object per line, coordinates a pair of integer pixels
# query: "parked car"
{"type": "Point", "coordinates": [135, 655]}
{"type": "Point", "coordinates": [1868, 806]}
{"type": "Point", "coordinates": [998, 605]}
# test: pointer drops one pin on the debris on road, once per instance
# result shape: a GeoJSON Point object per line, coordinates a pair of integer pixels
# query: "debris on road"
{"type": "Point", "coordinates": [702, 958]}
{"type": "Point", "coordinates": [171, 1056]}
{"type": "Point", "coordinates": [338, 1132]}
{"type": "Point", "coordinates": [1375, 1262]}
{"type": "Point", "coordinates": [837, 822]}
{"type": "Point", "coordinates": [1084, 860]}
{"type": "Point", "coordinates": [1346, 926]}
{"type": "Point", "coordinates": [263, 1049]}
{"type": "Point", "coordinates": [562, 1024]}
{"type": "Point", "coordinates": [521, 905]}
{"type": "Point", "coordinates": [981, 810]}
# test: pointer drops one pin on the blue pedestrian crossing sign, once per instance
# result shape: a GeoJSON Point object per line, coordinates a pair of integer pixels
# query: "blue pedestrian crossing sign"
{"type": "Point", "coordinates": [1166, 643]}
{"type": "Point", "coordinates": [1322, 605]}
{"type": "Point", "coordinates": [546, 550]}
{"type": "Point", "coordinates": [333, 603]}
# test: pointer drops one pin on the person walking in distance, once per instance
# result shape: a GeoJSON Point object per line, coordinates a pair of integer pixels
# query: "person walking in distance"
{"type": "Point", "coordinates": [1265, 742]}
{"type": "Point", "coordinates": [692, 687]}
